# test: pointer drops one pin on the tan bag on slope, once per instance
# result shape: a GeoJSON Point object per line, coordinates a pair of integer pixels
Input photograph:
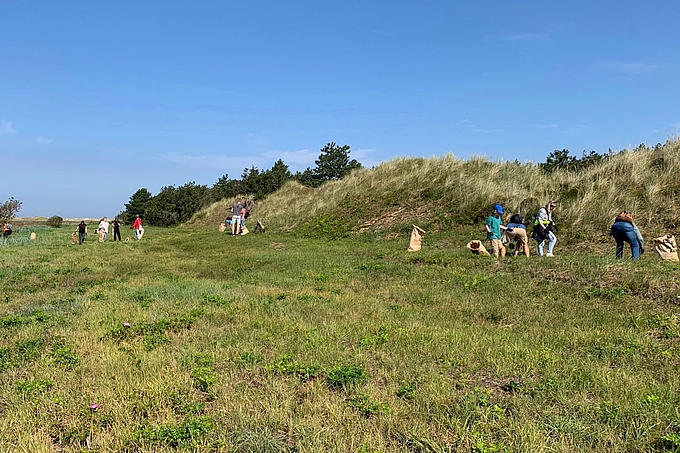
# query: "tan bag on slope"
{"type": "Point", "coordinates": [416, 241]}
{"type": "Point", "coordinates": [666, 248]}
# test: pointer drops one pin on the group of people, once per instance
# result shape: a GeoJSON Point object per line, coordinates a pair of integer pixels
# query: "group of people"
{"type": "Point", "coordinates": [514, 234]}
{"type": "Point", "coordinates": [103, 229]}
{"type": "Point", "coordinates": [237, 220]}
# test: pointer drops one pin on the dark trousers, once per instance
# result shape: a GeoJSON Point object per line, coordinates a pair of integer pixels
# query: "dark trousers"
{"type": "Point", "coordinates": [116, 234]}
{"type": "Point", "coordinates": [81, 238]}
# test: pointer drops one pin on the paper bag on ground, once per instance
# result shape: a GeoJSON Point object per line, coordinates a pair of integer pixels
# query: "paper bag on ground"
{"type": "Point", "coordinates": [666, 248]}
{"type": "Point", "coordinates": [416, 241]}
{"type": "Point", "coordinates": [477, 247]}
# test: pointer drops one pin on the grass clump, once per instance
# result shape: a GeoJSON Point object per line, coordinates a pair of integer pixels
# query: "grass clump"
{"type": "Point", "coordinates": [345, 377]}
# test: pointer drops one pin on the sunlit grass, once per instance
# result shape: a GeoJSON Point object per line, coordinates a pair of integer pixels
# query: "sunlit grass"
{"type": "Point", "coordinates": [192, 340]}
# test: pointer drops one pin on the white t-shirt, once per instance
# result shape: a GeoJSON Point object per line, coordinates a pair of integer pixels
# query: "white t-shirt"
{"type": "Point", "coordinates": [103, 225]}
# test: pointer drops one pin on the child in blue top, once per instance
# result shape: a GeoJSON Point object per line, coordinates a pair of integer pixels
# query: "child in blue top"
{"type": "Point", "coordinates": [493, 231]}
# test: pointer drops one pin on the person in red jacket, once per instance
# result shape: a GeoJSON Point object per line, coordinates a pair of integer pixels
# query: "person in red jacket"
{"type": "Point", "coordinates": [137, 226]}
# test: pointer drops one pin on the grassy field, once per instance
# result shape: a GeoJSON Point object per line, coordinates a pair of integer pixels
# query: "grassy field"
{"type": "Point", "coordinates": [192, 340]}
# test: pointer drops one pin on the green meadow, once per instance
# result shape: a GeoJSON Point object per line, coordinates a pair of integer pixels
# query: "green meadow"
{"type": "Point", "coordinates": [195, 341]}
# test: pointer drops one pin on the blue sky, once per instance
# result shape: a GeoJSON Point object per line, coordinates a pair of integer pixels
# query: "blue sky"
{"type": "Point", "coordinates": [99, 99]}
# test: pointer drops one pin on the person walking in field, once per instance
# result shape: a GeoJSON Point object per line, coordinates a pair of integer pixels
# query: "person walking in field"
{"type": "Point", "coordinates": [517, 231]}
{"type": "Point", "coordinates": [493, 231]}
{"type": "Point", "coordinates": [137, 226]}
{"type": "Point", "coordinates": [6, 230]}
{"type": "Point", "coordinates": [116, 229]}
{"type": "Point", "coordinates": [82, 232]}
{"type": "Point", "coordinates": [625, 230]}
{"type": "Point", "coordinates": [544, 229]}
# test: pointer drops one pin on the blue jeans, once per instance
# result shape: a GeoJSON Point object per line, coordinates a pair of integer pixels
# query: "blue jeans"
{"type": "Point", "coordinates": [552, 239]}
{"type": "Point", "coordinates": [624, 232]}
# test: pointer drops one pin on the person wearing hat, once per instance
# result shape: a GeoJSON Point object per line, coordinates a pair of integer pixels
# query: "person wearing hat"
{"type": "Point", "coordinates": [493, 231]}
{"type": "Point", "coordinates": [544, 228]}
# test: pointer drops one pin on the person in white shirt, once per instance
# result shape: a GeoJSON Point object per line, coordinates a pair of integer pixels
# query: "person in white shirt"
{"type": "Point", "coordinates": [104, 227]}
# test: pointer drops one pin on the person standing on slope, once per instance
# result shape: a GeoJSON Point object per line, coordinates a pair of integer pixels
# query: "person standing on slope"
{"type": "Point", "coordinates": [236, 217]}
{"type": "Point", "coordinates": [544, 228]}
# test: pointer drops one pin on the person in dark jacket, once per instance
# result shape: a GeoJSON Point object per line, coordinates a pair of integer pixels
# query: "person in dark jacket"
{"type": "Point", "coordinates": [82, 232]}
{"type": "Point", "coordinates": [116, 229]}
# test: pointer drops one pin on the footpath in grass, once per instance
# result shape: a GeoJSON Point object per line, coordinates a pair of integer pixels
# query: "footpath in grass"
{"type": "Point", "coordinates": [191, 340]}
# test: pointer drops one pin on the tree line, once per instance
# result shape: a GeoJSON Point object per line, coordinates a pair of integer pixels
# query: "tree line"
{"type": "Point", "coordinates": [173, 205]}
{"type": "Point", "coordinates": [562, 160]}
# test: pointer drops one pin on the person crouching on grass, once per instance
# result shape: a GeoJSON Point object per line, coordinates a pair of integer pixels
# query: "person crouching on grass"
{"type": "Point", "coordinates": [517, 231]}
{"type": "Point", "coordinates": [493, 231]}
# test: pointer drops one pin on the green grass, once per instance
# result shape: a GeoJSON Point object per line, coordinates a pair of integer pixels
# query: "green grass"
{"type": "Point", "coordinates": [284, 343]}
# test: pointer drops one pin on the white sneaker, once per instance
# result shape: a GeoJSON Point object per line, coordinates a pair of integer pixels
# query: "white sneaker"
{"type": "Point", "coordinates": [549, 254]}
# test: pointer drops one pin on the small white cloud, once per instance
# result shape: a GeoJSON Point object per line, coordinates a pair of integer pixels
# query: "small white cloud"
{"type": "Point", "coordinates": [43, 140]}
{"type": "Point", "coordinates": [548, 126]}
{"type": "Point", "coordinates": [6, 127]}
{"type": "Point", "coordinates": [364, 156]}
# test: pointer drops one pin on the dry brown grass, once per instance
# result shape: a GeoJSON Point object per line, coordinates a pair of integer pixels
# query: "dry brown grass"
{"type": "Point", "coordinates": [447, 190]}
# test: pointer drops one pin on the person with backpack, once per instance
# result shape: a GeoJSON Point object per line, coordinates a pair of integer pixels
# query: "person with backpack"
{"type": "Point", "coordinates": [544, 228]}
{"type": "Point", "coordinates": [516, 231]}
{"type": "Point", "coordinates": [625, 230]}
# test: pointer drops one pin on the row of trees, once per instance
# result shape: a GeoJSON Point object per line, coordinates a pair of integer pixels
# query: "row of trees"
{"type": "Point", "coordinates": [173, 205]}
{"type": "Point", "coordinates": [562, 160]}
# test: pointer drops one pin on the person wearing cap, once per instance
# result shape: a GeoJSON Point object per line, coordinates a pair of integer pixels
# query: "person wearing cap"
{"type": "Point", "coordinates": [544, 228]}
{"type": "Point", "coordinates": [493, 231]}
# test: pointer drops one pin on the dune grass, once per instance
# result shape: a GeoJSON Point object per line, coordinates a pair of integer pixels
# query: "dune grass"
{"type": "Point", "coordinates": [438, 194]}
{"type": "Point", "coordinates": [192, 340]}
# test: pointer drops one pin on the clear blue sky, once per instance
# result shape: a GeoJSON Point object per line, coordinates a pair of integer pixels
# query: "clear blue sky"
{"type": "Point", "coordinates": [99, 99]}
